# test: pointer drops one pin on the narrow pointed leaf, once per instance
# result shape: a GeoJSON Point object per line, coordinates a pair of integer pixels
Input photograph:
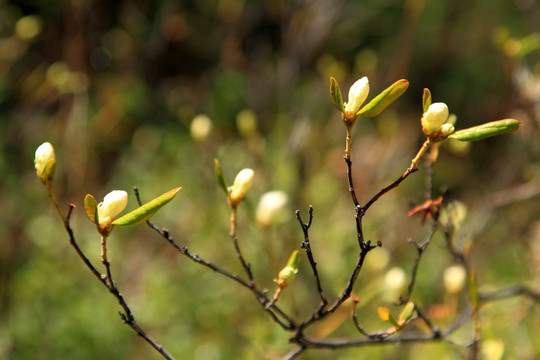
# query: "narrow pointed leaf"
{"type": "Point", "coordinates": [90, 208]}
{"type": "Point", "coordinates": [406, 313]}
{"type": "Point", "coordinates": [384, 99]}
{"type": "Point", "coordinates": [486, 130]}
{"type": "Point", "coordinates": [144, 212]}
{"type": "Point", "coordinates": [335, 94]}
{"type": "Point", "coordinates": [426, 99]}
{"type": "Point", "coordinates": [220, 178]}
{"type": "Point", "coordinates": [393, 320]}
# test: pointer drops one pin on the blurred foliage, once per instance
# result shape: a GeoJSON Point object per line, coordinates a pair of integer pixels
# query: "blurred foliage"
{"type": "Point", "coordinates": [114, 87]}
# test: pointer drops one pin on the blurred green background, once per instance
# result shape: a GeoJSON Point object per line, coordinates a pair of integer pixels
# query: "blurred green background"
{"type": "Point", "coordinates": [115, 85]}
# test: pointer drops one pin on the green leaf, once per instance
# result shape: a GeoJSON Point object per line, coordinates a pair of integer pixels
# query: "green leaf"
{"type": "Point", "coordinates": [426, 99]}
{"type": "Point", "coordinates": [144, 212]}
{"type": "Point", "coordinates": [220, 178]}
{"type": "Point", "coordinates": [335, 94]}
{"type": "Point", "coordinates": [294, 259]}
{"type": "Point", "coordinates": [406, 313]}
{"type": "Point", "coordinates": [393, 320]}
{"type": "Point", "coordinates": [384, 99]}
{"type": "Point", "coordinates": [486, 130]}
{"type": "Point", "coordinates": [90, 207]}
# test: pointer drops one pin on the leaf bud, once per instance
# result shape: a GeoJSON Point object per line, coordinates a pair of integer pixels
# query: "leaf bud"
{"type": "Point", "coordinates": [286, 275]}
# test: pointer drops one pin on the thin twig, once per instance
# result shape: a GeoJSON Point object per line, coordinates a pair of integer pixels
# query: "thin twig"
{"type": "Point", "coordinates": [350, 180]}
{"type": "Point", "coordinates": [420, 248]}
{"type": "Point", "coordinates": [396, 183]}
{"type": "Point", "coordinates": [294, 353]}
{"type": "Point", "coordinates": [509, 292]}
{"type": "Point", "coordinates": [307, 246]}
{"type": "Point", "coordinates": [278, 315]}
{"type": "Point", "coordinates": [127, 316]}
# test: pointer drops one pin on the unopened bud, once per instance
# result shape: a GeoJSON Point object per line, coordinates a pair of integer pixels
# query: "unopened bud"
{"type": "Point", "coordinates": [200, 129]}
{"type": "Point", "coordinates": [45, 162]}
{"type": "Point", "coordinates": [241, 185]}
{"type": "Point", "coordinates": [394, 281]}
{"type": "Point", "coordinates": [432, 120]}
{"type": "Point", "coordinates": [246, 122]}
{"type": "Point", "coordinates": [112, 205]}
{"type": "Point", "coordinates": [357, 95]}
{"type": "Point", "coordinates": [454, 278]}
{"type": "Point", "coordinates": [271, 208]}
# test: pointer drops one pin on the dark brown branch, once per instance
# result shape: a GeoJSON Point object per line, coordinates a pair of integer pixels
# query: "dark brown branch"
{"type": "Point", "coordinates": [342, 343]}
{"type": "Point", "coordinates": [307, 247]}
{"type": "Point", "coordinates": [350, 180]}
{"type": "Point", "coordinates": [509, 292]}
{"type": "Point", "coordinates": [127, 315]}
{"type": "Point", "coordinates": [245, 265]}
{"type": "Point", "coordinates": [420, 248]}
{"type": "Point", "coordinates": [388, 188]}
{"type": "Point", "coordinates": [278, 315]}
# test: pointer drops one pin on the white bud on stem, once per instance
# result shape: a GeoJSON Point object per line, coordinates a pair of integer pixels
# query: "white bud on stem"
{"type": "Point", "coordinates": [45, 162]}
{"type": "Point", "coordinates": [357, 95]}
{"type": "Point", "coordinates": [113, 204]}
{"type": "Point", "coordinates": [433, 118]}
{"type": "Point", "coordinates": [241, 185]}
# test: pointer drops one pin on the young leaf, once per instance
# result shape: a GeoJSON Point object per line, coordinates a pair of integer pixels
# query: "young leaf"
{"type": "Point", "coordinates": [335, 94]}
{"type": "Point", "coordinates": [144, 212]}
{"type": "Point", "coordinates": [90, 207]}
{"type": "Point", "coordinates": [426, 99]}
{"type": "Point", "coordinates": [486, 130]}
{"type": "Point", "coordinates": [384, 99]}
{"type": "Point", "coordinates": [384, 313]}
{"type": "Point", "coordinates": [220, 178]}
{"type": "Point", "coordinates": [406, 313]}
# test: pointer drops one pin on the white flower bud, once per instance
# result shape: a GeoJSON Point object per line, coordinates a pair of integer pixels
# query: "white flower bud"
{"type": "Point", "coordinates": [433, 118]}
{"type": "Point", "coordinates": [201, 127]}
{"type": "Point", "coordinates": [241, 185]}
{"type": "Point", "coordinates": [112, 205]}
{"type": "Point", "coordinates": [454, 278]}
{"type": "Point", "coordinates": [395, 279]}
{"type": "Point", "coordinates": [45, 161]}
{"type": "Point", "coordinates": [357, 95]}
{"type": "Point", "coordinates": [271, 208]}
{"type": "Point", "coordinates": [394, 282]}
